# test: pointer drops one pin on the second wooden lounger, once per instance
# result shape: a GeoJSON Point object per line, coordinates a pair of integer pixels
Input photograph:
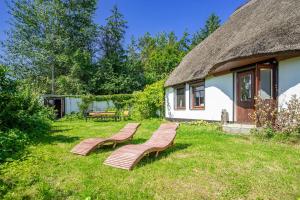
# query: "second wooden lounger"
{"type": "Point", "coordinates": [88, 145]}
{"type": "Point", "coordinates": [128, 156]}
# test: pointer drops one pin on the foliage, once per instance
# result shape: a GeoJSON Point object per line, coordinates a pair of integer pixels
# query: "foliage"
{"type": "Point", "coordinates": [72, 117]}
{"type": "Point", "coordinates": [161, 54]}
{"type": "Point", "coordinates": [209, 125]}
{"type": "Point", "coordinates": [68, 85]}
{"type": "Point", "coordinates": [111, 74]}
{"type": "Point", "coordinates": [263, 132]}
{"type": "Point", "coordinates": [51, 34]}
{"type": "Point", "coordinates": [149, 102]}
{"type": "Point", "coordinates": [274, 121]}
{"type": "Point", "coordinates": [288, 119]}
{"type": "Point", "coordinates": [211, 24]}
{"type": "Point", "coordinates": [265, 112]}
{"type": "Point", "coordinates": [60, 38]}
{"type": "Point", "coordinates": [22, 116]}
{"type": "Point", "coordinates": [85, 103]}
{"type": "Point", "coordinates": [12, 141]}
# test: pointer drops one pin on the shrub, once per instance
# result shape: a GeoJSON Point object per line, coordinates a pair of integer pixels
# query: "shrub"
{"type": "Point", "coordinates": [150, 102]}
{"type": "Point", "coordinates": [274, 121]}
{"type": "Point", "coordinates": [12, 141]}
{"type": "Point", "coordinates": [288, 119]}
{"type": "Point", "coordinates": [22, 116]}
{"type": "Point", "coordinates": [210, 125]}
{"type": "Point", "coordinates": [85, 103]}
{"type": "Point", "coordinates": [72, 117]}
{"type": "Point", "coordinates": [265, 132]}
{"type": "Point", "coordinates": [265, 113]}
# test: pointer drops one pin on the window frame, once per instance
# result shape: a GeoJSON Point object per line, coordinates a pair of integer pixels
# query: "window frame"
{"type": "Point", "coordinates": [271, 82]}
{"type": "Point", "coordinates": [175, 97]}
{"type": "Point", "coordinates": [192, 97]}
{"type": "Point", "coordinates": [252, 88]}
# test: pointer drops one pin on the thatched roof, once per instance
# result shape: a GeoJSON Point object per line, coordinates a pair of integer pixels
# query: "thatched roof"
{"type": "Point", "coordinates": [259, 30]}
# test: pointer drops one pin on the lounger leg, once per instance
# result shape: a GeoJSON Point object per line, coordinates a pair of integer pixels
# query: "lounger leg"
{"type": "Point", "coordinates": [115, 144]}
{"type": "Point", "coordinates": [156, 153]}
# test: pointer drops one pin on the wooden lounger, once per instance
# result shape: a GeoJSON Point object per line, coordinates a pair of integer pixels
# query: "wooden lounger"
{"type": "Point", "coordinates": [128, 156]}
{"type": "Point", "coordinates": [88, 145]}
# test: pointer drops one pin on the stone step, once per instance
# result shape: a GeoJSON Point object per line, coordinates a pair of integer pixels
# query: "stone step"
{"type": "Point", "coordinates": [243, 129]}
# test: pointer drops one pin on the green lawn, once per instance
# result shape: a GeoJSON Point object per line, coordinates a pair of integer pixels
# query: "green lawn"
{"type": "Point", "coordinates": [203, 164]}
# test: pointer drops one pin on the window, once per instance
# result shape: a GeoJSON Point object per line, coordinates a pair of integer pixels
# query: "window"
{"type": "Point", "coordinates": [246, 87]}
{"type": "Point", "coordinates": [198, 96]}
{"type": "Point", "coordinates": [180, 98]}
{"type": "Point", "coordinates": [265, 90]}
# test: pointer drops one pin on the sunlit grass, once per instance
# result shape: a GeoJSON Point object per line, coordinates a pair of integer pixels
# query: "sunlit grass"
{"type": "Point", "coordinates": [203, 164]}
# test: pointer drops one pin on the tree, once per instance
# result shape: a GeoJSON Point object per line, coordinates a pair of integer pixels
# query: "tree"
{"type": "Point", "coordinates": [51, 34]}
{"type": "Point", "coordinates": [161, 54]}
{"type": "Point", "coordinates": [134, 66]}
{"type": "Point", "coordinates": [212, 24]}
{"type": "Point", "coordinates": [111, 75]}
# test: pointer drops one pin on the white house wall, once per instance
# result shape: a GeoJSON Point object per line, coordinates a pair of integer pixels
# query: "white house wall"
{"type": "Point", "coordinates": [288, 80]}
{"type": "Point", "coordinates": [218, 96]}
{"type": "Point", "coordinates": [72, 105]}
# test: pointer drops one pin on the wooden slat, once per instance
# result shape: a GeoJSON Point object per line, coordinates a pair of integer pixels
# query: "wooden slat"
{"type": "Point", "coordinates": [88, 145]}
{"type": "Point", "coordinates": [128, 156]}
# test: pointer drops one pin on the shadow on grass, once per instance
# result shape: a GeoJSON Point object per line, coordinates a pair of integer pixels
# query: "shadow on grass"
{"type": "Point", "coordinates": [52, 139]}
{"type": "Point", "coordinates": [109, 147]}
{"type": "Point", "coordinates": [20, 151]}
{"type": "Point", "coordinates": [151, 158]}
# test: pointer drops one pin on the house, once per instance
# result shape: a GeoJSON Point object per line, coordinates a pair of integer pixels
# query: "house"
{"type": "Point", "coordinates": [255, 53]}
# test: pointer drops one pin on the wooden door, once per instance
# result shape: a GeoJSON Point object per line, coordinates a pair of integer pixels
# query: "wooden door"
{"type": "Point", "coordinates": [245, 96]}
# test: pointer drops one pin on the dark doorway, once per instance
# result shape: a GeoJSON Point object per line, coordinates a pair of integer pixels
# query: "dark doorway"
{"type": "Point", "coordinates": [58, 104]}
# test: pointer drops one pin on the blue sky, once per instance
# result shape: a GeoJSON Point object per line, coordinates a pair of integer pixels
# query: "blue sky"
{"type": "Point", "coordinates": [155, 15]}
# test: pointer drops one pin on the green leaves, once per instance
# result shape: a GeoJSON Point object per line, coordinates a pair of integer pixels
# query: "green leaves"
{"type": "Point", "coordinates": [86, 58]}
{"type": "Point", "coordinates": [111, 74]}
{"type": "Point", "coordinates": [150, 102]}
{"type": "Point", "coordinates": [160, 54]}
{"type": "Point", "coordinates": [46, 34]}
{"type": "Point", "coordinates": [212, 24]}
{"type": "Point", "coordinates": [22, 116]}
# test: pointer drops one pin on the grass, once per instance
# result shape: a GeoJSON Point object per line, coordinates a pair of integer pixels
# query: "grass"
{"type": "Point", "coordinates": [204, 164]}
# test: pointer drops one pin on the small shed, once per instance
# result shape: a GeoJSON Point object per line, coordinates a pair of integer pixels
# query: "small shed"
{"type": "Point", "coordinates": [57, 102]}
{"type": "Point", "coordinates": [68, 104]}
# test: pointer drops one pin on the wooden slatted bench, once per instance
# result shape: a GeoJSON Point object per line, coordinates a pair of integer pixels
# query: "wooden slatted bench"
{"type": "Point", "coordinates": [102, 115]}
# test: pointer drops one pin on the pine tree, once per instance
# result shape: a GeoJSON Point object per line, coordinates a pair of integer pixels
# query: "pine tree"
{"type": "Point", "coordinates": [212, 24]}
{"type": "Point", "coordinates": [110, 76]}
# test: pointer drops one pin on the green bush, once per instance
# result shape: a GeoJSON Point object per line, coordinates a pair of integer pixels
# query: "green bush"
{"type": "Point", "coordinates": [72, 117]}
{"type": "Point", "coordinates": [206, 124]}
{"type": "Point", "coordinates": [274, 122]}
{"type": "Point", "coordinates": [150, 102]}
{"type": "Point", "coordinates": [22, 116]}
